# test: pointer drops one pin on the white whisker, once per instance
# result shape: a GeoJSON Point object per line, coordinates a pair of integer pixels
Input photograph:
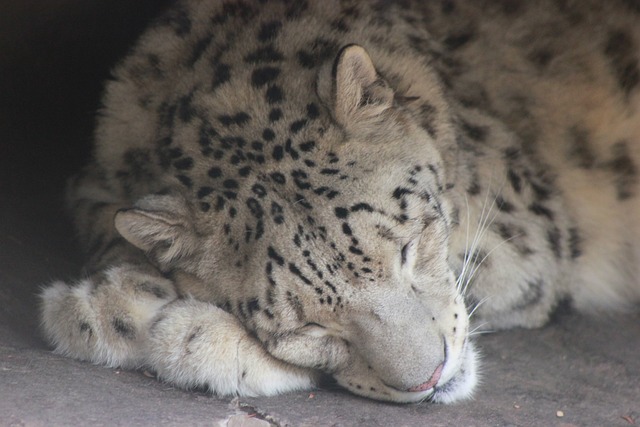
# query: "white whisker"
{"type": "Point", "coordinates": [472, 334]}
{"type": "Point", "coordinates": [471, 253]}
{"type": "Point", "coordinates": [482, 301]}
{"type": "Point", "coordinates": [477, 266]}
{"type": "Point", "coordinates": [462, 274]}
{"type": "Point", "coordinates": [477, 331]}
{"type": "Point", "coordinates": [471, 263]}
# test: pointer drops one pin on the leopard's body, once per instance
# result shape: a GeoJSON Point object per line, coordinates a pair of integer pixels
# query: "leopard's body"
{"type": "Point", "coordinates": [305, 187]}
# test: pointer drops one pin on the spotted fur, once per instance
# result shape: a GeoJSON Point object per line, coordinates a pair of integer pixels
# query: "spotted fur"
{"type": "Point", "coordinates": [285, 189]}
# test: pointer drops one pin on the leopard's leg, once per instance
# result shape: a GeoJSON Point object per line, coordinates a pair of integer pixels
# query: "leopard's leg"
{"type": "Point", "coordinates": [104, 317]}
{"type": "Point", "coordinates": [196, 344]}
{"type": "Point", "coordinates": [127, 314]}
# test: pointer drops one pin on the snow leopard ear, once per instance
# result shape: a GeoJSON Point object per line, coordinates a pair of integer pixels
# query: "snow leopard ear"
{"type": "Point", "coordinates": [360, 94]}
{"type": "Point", "coordinates": [160, 225]}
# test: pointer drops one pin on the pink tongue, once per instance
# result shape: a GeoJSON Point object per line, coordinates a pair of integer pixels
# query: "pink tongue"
{"type": "Point", "coordinates": [432, 381]}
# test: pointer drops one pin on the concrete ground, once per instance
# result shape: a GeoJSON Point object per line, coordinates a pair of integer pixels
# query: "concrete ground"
{"type": "Point", "coordinates": [577, 371]}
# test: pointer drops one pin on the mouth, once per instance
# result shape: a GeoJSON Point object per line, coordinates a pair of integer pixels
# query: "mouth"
{"type": "Point", "coordinates": [431, 383]}
{"type": "Point", "coordinates": [463, 383]}
{"type": "Point", "coordinates": [419, 393]}
{"type": "Point", "coordinates": [451, 381]}
{"type": "Point", "coordinates": [455, 387]}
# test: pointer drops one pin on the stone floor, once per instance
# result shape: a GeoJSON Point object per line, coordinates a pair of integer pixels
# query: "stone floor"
{"type": "Point", "coordinates": [577, 371]}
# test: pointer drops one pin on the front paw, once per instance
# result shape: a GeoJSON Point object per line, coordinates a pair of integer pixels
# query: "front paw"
{"type": "Point", "coordinates": [105, 318]}
{"type": "Point", "coordinates": [194, 344]}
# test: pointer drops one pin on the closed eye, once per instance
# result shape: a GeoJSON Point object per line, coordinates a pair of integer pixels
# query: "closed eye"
{"type": "Point", "coordinates": [313, 329]}
{"type": "Point", "coordinates": [313, 324]}
{"type": "Point", "coordinates": [408, 253]}
{"type": "Point", "coordinates": [404, 253]}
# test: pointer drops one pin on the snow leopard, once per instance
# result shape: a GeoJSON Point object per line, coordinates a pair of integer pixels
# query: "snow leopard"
{"type": "Point", "coordinates": [286, 191]}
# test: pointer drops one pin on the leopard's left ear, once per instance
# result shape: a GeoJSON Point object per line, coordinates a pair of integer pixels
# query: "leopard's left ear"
{"type": "Point", "coordinates": [161, 225]}
{"type": "Point", "coordinates": [360, 95]}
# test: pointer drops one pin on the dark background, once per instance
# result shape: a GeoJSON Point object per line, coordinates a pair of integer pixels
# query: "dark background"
{"type": "Point", "coordinates": [54, 56]}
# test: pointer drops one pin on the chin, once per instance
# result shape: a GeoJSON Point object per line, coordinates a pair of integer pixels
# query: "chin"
{"type": "Point", "coordinates": [463, 383]}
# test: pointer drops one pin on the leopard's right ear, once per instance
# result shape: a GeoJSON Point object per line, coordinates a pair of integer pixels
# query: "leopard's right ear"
{"type": "Point", "coordinates": [358, 94]}
{"type": "Point", "coordinates": [161, 225]}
